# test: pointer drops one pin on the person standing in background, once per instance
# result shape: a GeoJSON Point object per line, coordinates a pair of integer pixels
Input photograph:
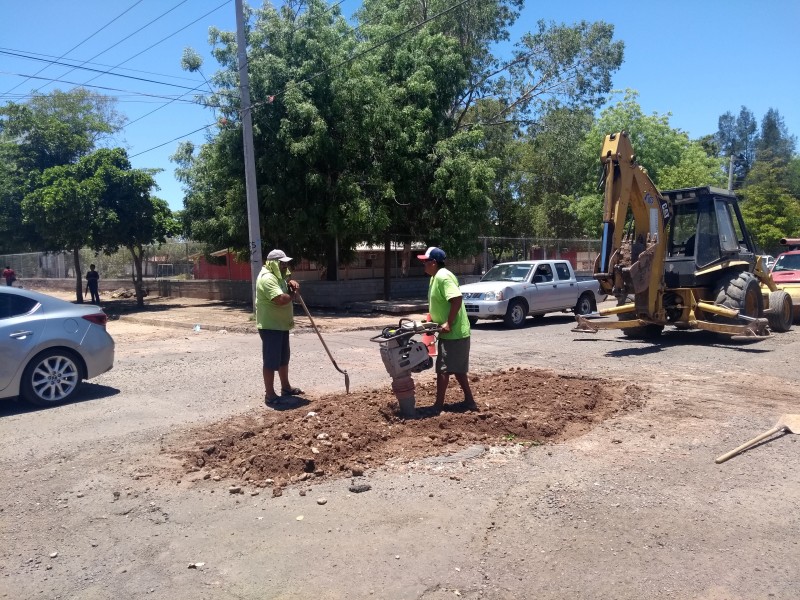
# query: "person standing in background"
{"type": "Point", "coordinates": [275, 318]}
{"type": "Point", "coordinates": [10, 275]}
{"type": "Point", "coordinates": [93, 284]}
{"type": "Point", "coordinates": [447, 309]}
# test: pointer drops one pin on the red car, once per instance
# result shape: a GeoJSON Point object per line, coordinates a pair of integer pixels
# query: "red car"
{"type": "Point", "coordinates": [786, 272]}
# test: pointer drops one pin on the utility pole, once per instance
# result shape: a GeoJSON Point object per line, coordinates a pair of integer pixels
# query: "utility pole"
{"type": "Point", "coordinates": [253, 223]}
{"type": "Point", "coordinates": [730, 175]}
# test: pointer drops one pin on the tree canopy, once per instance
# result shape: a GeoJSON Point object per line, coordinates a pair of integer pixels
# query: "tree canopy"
{"type": "Point", "coordinates": [406, 125]}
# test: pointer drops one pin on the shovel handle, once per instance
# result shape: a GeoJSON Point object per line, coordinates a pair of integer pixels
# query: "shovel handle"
{"type": "Point", "coordinates": [319, 335]}
{"type": "Point", "coordinates": [747, 445]}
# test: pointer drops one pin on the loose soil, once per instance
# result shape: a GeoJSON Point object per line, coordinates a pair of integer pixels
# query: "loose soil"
{"type": "Point", "coordinates": [342, 435]}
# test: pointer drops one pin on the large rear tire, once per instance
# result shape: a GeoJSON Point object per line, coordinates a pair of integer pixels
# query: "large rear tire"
{"type": "Point", "coordinates": [516, 313]}
{"type": "Point", "coordinates": [780, 313]}
{"type": "Point", "coordinates": [740, 292]}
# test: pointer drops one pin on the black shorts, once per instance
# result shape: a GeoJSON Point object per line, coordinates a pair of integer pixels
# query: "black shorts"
{"type": "Point", "coordinates": [453, 356]}
{"type": "Point", "coordinates": [274, 348]}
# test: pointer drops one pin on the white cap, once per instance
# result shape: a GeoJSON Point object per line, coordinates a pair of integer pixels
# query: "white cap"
{"type": "Point", "coordinates": [278, 255]}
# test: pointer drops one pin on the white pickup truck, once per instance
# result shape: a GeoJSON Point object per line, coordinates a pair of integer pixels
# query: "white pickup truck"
{"type": "Point", "coordinates": [511, 291]}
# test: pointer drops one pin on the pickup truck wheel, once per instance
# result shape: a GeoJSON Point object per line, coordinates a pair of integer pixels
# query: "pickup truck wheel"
{"type": "Point", "coordinates": [516, 313]}
{"type": "Point", "coordinates": [472, 321]}
{"type": "Point", "coordinates": [585, 305]}
{"type": "Point", "coordinates": [780, 311]}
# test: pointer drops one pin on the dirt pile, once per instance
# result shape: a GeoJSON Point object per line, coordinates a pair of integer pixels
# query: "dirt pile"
{"type": "Point", "coordinates": [343, 435]}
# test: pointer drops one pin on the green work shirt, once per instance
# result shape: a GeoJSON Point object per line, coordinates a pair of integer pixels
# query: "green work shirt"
{"type": "Point", "coordinates": [268, 314]}
{"type": "Point", "coordinates": [441, 289]}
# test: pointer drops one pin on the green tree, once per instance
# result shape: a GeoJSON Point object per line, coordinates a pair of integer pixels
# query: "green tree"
{"type": "Point", "coordinates": [775, 142]}
{"type": "Point", "coordinates": [737, 136]}
{"type": "Point", "coordinates": [671, 159]}
{"type": "Point", "coordinates": [102, 203]}
{"type": "Point", "coordinates": [128, 215]}
{"type": "Point", "coordinates": [49, 130]}
{"type": "Point", "coordinates": [368, 133]}
{"type": "Point", "coordinates": [770, 210]}
{"type": "Point", "coordinates": [61, 208]}
{"type": "Point", "coordinates": [555, 168]}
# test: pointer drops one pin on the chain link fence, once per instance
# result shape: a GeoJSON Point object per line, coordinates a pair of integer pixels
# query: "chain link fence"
{"type": "Point", "coordinates": [187, 260]}
{"type": "Point", "coordinates": [174, 260]}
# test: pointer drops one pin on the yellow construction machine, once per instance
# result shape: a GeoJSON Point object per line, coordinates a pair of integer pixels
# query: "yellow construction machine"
{"type": "Point", "coordinates": [682, 258]}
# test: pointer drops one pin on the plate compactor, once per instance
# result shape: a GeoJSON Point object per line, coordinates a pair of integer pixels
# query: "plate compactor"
{"type": "Point", "coordinates": [403, 354]}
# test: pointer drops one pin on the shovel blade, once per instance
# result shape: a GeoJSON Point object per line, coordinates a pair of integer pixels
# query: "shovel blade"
{"type": "Point", "coordinates": [790, 423]}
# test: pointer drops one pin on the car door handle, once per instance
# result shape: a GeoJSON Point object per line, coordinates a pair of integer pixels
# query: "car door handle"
{"type": "Point", "coordinates": [20, 335]}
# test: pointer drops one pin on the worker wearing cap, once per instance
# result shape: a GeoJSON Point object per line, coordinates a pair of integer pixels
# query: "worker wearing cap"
{"type": "Point", "coordinates": [275, 318]}
{"type": "Point", "coordinates": [447, 309]}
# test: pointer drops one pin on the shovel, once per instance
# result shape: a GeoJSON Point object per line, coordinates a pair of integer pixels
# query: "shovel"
{"type": "Point", "coordinates": [324, 345]}
{"type": "Point", "coordinates": [786, 424]}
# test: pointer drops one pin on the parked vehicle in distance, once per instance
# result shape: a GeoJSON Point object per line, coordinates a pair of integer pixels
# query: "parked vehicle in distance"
{"type": "Point", "coordinates": [48, 346]}
{"type": "Point", "coordinates": [786, 273]}
{"type": "Point", "coordinates": [511, 291]}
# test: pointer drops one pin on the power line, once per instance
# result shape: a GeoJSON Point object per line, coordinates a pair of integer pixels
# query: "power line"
{"type": "Point", "coordinates": [162, 39]}
{"type": "Point", "coordinates": [99, 87]}
{"type": "Point", "coordinates": [78, 44]}
{"type": "Point", "coordinates": [40, 55]}
{"type": "Point", "coordinates": [172, 140]}
{"type": "Point", "coordinates": [55, 62]}
{"type": "Point", "coordinates": [126, 37]}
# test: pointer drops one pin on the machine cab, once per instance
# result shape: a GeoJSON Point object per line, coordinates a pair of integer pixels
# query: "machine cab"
{"type": "Point", "coordinates": [706, 229]}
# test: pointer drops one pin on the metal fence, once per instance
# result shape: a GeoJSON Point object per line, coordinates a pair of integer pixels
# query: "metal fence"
{"type": "Point", "coordinates": [170, 260]}
{"type": "Point", "coordinates": [180, 260]}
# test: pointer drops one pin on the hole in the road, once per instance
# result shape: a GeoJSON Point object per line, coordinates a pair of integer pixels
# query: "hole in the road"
{"type": "Point", "coordinates": [340, 434]}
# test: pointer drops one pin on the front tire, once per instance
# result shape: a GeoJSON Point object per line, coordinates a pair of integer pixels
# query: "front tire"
{"type": "Point", "coordinates": [516, 313]}
{"type": "Point", "coordinates": [742, 292]}
{"type": "Point", "coordinates": [472, 321]}
{"type": "Point", "coordinates": [780, 313]}
{"type": "Point", "coordinates": [52, 377]}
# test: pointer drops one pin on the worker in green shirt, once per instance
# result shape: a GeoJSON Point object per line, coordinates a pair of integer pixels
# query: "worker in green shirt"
{"type": "Point", "coordinates": [275, 318]}
{"type": "Point", "coordinates": [447, 309]}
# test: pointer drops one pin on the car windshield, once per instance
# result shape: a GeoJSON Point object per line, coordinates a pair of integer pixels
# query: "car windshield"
{"type": "Point", "coordinates": [787, 262]}
{"type": "Point", "coordinates": [507, 272]}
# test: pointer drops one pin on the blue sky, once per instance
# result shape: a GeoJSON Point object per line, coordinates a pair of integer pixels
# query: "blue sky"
{"type": "Point", "coordinates": [695, 60]}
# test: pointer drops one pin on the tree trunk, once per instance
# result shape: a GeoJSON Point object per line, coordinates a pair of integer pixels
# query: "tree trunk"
{"type": "Point", "coordinates": [332, 260]}
{"type": "Point", "coordinates": [137, 274]}
{"type": "Point", "coordinates": [387, 267]}
{"type": "Point", "coordinates": [76, 255]}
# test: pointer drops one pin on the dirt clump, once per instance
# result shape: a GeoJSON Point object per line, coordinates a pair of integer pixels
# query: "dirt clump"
{"type": "Point", "coordinates": [343, 435]}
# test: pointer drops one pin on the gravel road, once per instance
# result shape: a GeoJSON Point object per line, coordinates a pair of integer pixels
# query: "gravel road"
{"type": "Point", "coordinates": [92, 507]}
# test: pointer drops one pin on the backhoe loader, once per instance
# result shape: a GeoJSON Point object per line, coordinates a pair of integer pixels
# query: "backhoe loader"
{"type": "Point", "coordinates": [682, 258]}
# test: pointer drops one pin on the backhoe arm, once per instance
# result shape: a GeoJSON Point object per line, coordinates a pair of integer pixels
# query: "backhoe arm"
{"type": "Point", "coordinates": [633, 252]}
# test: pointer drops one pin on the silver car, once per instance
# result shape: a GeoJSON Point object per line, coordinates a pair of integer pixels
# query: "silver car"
{"type": "Point", "coordinates": [48, 346]}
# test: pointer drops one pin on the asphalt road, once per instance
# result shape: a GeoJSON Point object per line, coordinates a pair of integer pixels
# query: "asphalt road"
{"type": "Point", "coordinates": [93, 508]}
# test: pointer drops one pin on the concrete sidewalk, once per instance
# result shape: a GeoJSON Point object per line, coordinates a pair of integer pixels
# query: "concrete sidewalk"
{"type": "Point", "coordinates": [212, 315]}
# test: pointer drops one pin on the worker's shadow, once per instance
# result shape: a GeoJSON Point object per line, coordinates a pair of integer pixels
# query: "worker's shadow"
{"type": "Point", "coordinates": [427, 412]}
